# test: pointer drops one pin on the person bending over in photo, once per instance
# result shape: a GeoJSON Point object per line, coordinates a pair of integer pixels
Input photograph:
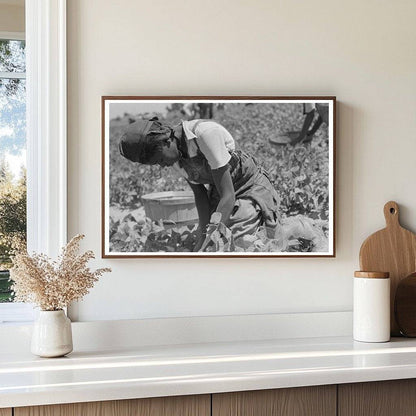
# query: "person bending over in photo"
{"type": "Point", "coordinates": [224, 180]}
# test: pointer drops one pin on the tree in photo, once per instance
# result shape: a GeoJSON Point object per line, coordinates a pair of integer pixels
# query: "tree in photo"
{"type": "Point", "coordinates": [12, 223]}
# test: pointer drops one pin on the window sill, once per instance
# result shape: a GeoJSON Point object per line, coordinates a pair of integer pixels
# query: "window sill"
{"type": "Point", "coordinates": [16, 313]}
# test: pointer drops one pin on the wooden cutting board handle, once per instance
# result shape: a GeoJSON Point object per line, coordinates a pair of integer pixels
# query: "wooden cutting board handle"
{"type": "Point", "coordinates": [391, 214]}
{"type": "Point", "coordinates": [393, 250]}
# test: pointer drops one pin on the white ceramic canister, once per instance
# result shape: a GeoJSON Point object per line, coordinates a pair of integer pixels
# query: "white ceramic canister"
{"type": "Point", "coordinates": [371, 305]}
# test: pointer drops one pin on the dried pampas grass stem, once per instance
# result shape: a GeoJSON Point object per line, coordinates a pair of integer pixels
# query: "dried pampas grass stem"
{"type": "Point", "coordinates": [53, 285]}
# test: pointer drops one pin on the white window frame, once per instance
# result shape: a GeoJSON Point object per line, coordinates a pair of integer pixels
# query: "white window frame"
{"type": "Point", "coordinates": [46, 127]}
{"type": "Point", "coordinates": [12, 35]}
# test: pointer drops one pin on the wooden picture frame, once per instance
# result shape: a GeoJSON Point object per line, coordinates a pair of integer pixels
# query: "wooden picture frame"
{"type": "Point", "coordinates": [294, 138]}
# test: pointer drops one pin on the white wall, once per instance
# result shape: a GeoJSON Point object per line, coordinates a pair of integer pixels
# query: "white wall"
{"type": "Point", "coordinates": [361, 51]}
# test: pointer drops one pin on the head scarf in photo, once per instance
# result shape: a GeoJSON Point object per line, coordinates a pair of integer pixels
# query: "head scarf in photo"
{"type": "Point", "coordinates": [140, 137]}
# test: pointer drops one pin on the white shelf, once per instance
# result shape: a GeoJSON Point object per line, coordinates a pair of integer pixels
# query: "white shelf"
{"type": "Point", "coordinates": [150, 371]}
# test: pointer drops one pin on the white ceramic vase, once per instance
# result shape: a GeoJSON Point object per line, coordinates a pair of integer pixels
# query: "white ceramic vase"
{"type": "Point", "coordinates": [52, 334]}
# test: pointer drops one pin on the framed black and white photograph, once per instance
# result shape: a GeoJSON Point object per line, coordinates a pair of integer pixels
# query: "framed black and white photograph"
{"type": "Point", "coordinates": [218, 176]}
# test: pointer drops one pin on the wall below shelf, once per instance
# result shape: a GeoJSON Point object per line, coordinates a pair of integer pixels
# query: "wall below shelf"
{"type": "Point", "coordinates": [170, 331]}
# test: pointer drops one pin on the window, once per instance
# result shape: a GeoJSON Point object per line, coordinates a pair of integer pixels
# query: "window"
{"type": "Point", "coordinates": [45, 29]}
{"type": "Point", "coordinates": [12, 153]}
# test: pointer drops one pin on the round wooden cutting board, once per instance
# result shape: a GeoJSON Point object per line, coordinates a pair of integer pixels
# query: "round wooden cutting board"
{"type": "Point", "coordinates": [393, 250]}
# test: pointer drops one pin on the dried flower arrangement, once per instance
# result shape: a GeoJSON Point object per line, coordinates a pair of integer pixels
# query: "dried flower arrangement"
{"type": "Point", "coordinates": [53, 285]}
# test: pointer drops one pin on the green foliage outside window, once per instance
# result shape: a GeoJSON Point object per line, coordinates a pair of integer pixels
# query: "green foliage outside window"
{"type": "Point", "coordinates": [12, 223]}
{"type": "Point", "coordinates": [12, 145]}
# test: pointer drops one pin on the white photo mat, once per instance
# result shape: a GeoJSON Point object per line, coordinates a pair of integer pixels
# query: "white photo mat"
{"type": "Point", "coordinates": [121, 208]}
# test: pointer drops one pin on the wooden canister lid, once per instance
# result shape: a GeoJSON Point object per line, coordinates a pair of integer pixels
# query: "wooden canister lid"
{"type": "Point", "coordinates": [372, 275]}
